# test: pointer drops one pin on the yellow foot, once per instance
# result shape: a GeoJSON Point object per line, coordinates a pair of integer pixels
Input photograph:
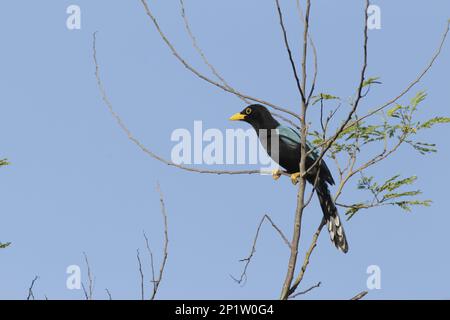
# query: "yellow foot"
{"type": "Point", "coordinates": [276, 174]}
{"type": "Point", "coordinates": [294, 178]}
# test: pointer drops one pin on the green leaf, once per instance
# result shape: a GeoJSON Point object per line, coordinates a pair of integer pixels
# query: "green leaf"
{"type": "Point", "coordinates": [4, 162]}
{"type": "Point", "coordinates": [423, 147]}
{"type": "Point", "coordinates": [354, 208]}
{"type": "Point", "coordinates": [436, 120]}
{"type": "Point", "coordinates": [393, 184]}
{"type": "Point", "coordinates": [392, 112]}
{"type": "Point", "coordinates": [324, 96]}
{"type": "Point", "coordinates": [370, 81]}
{"type": "Point", "coordinates": [407, 205]}
{"type": "Point", "coordinates": [402, 194]}
{"type": "Point", "coordinates": [418, 99]}
{"type": "Point", "coordinates": [4, 245]}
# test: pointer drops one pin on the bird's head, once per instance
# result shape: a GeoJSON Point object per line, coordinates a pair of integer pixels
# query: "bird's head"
{"type": "Point", "coordinates": [256, 115]}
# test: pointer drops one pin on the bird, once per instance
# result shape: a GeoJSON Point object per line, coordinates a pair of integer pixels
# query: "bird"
{"type": "Point", "coordinates": [287, 156]}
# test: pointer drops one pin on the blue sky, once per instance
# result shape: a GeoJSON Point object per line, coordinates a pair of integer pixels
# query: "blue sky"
{"type": "Point", "coordinates": [76, 183]}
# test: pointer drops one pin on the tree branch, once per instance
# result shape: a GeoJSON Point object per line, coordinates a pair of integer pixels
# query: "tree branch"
{"type": "Point", "coordinates": [247, 260]}
{"type": "Point", "coordinates": [166, 243]}
{"type": "Point", "coordinates": [288, 49]}
{"type": "Point", "coordinates": [200, 75]}
{"type": "Point", "coordinates": [30, 289]}
{"type": "Point", "coordinates": [360, 295]}
{"type": "Point", "coordinates": [306, 291]}
{"type": "Point", "coordinates": [140, 145]}
{"type": "Point", "coordinates": [312, 246]}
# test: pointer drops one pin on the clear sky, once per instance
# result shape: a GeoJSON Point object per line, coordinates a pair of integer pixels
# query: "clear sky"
{"type": "Point", "coordinates": [77, 184]}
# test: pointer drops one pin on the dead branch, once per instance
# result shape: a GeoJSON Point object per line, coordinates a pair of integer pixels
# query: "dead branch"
{"type": "Point", "coordinates": [89, 291]}
{"type": "Point", "coordinates": [152, 264]}
{"type": "Point", "coordinates": [247, 260]}
{"type": "Point", "coordinates": [214, 69]}
{"type": "Point", "coordinates": [200, 75]}
{"type": "Point", "coordinates": [145, 149]}
{"type": "Point", "coordinates": [314, 49]}
{"type": "Point", "coordinates": [306, 291]}
{"type": "Point", "coordinates": [288, 49]}
{"type": "Point", "coordinates": [141, 273]}
{"type": "Point", "coordinates": [415, 81]}
{"type": "Point", "coordinates": [109, 294]}
{"type": "Point", "coordinates": [30, 289]}
{"type": "Point", "coordinates": [302, 185]}
{"type": "Point", "coordinates": [360, 295]}
{"type": "Point", "coordinates": [166, 243]}
{"type": "Point", "coordinates": [312, 246]}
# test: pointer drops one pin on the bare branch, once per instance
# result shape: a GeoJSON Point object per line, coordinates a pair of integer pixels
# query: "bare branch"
{"type": "Point", "coordinates": [214, 69]}
{"type": "Point", "coordinates": [306, 291]}
{"type": "Point", "coordinates": [302, 166]}
{"type": "Point", "coordinates": [360, 295]}
{"type": "Point", "coordinates": [415, 81]}
{"type": "Point", "coordinates": [166, 243]}
{"type": "Point", "coordinates": [312, 246]}
{"type": "Point", "coordinates": [202, 54]}
{"type": "Point", "coordinates": [288, 49]}
{"type": "Point", "coordinates": [152, 264]}
{"type": "Point", "coordinates": [30, 289]}
{"type": "Point", "coordinates": [247, 260]}
{"type": "Point", "coordinates": [313, 46]}
{"type": "Point", "coordinates": [200, 75]}
{"type": "Point", "coordinates": [109, 294]}
{"type": "Point", "coordinates": [359, 96]}
{"type": "Point", "coordinates": [331, 140]}
{"type": "Point", "coordinates": [88, 292]}
{"type": "Point", "coordinates": [141, 273]}
{"type": "Point", "coordinates": [145, 149]}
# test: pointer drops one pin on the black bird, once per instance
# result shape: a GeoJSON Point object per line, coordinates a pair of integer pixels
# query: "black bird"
{"type": "Point", "coordinates": [288, 156]}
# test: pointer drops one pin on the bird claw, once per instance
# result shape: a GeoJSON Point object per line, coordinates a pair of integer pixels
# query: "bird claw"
{"type": "Point", "coordinates": [294, 178]}
{"type": "Point", "coordinates": [276, 174]}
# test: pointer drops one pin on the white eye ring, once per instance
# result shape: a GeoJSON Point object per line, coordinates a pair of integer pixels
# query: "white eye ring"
{"type": "Point", "coordinates": [248, 111]}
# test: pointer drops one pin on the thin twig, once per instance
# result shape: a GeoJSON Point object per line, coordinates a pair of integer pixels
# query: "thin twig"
{"type": "Point", "coordinates": [152, 263]}
{"type": "Point", "coordinates": [360, 295]}
{"type": "Point", "coordinates": [415, 81]}
{"type": "Point", "coordinates": [109, 294]}
{"type": "Point", "coordinates": [247, 260]}
{"type": "Point", "coordinates": [359, 96]}
{"type": "Point", "coordinates": [314, 49]}
{"type": "Point", "coordinates": [288, 49]}
{"type": "Point", "coordinates": [166, 243]}
{"type": "Point", "coordinates": [141, 273]}
{"type": "Point", "coordinates": [89, 292]}
{"type": "Point", "coordinates": [30, 289]}
{"type": "Point", "coordinates": [200, 75]}
{"type": "Point", "coordinates": [306, 291]}
{"type": "Point", "coordinates": [141, 146]}
{"type": "Point", "coordinates": [312, 246]}
{"type": "Point", "coordinates": [333, 138]}
{"type": "Point", "coordinates": [214, 69]}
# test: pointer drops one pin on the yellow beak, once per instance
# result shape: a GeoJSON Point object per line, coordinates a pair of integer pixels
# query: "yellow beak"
{"type": "Point", "coordinates": [237, 116]}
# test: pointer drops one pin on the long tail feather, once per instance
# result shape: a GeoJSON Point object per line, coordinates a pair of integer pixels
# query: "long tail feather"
{"type": "Point", "coordinates": [331, 215]}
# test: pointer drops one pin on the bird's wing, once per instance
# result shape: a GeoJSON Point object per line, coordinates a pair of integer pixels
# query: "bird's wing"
{"type": "Point", "coordinates": [292, 138]}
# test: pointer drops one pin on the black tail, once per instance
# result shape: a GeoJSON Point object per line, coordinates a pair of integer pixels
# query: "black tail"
{"type": "Point", "coordinates": [331, 215]}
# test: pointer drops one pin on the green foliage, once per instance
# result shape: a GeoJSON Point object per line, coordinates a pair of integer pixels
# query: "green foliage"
{"type": "Point", "coordinates": [398, 126]}
{"type": "Point", "coordinates": [387, 193]}
{"type": "Point", "coordinates": [370, 81]}
{"type": "Point", "coordinates": [3, 162]}
{"type": "Point", "coordinates": [324, 96]}
{"type": "Point", "coordinates": [4, 245]}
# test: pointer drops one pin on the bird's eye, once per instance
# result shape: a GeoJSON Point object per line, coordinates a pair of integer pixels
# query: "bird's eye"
{"type": "Point", "coordinates": [248, 111]}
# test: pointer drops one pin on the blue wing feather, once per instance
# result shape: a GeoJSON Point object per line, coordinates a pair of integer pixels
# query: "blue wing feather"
{"type": "Point", "coordinates": [292, 138]}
